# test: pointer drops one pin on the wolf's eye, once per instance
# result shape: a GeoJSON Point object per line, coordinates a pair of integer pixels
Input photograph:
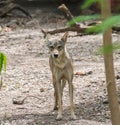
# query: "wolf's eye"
{"type": "Point", "coordinates": [59, 47]}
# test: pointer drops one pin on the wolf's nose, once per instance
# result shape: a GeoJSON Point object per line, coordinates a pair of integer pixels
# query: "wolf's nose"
{"type": "Point", "coordinates": [55, 55]}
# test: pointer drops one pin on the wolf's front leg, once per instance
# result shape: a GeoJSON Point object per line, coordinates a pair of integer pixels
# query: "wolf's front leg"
{"type": "Point", "coordinates": [55, 96]}
{"type": "Point", "coordinates": [59, 90]}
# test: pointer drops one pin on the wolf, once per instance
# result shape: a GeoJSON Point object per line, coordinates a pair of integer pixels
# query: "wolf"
{"type": "Point", "coordinates": [62, 71]}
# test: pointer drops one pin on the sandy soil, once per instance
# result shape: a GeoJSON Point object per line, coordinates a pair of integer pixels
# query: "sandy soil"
{"type": "Point", "coordinates": [28, 74]}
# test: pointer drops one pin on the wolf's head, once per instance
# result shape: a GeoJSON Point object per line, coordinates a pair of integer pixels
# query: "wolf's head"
{"type": "Point", "coordinates": [57, 46]}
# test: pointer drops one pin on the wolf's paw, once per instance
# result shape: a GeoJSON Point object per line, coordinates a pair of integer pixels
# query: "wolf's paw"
{"type": "Point", "coordinates": [73, 117]}
{"type": "Point", "coordinates": [59, 117]}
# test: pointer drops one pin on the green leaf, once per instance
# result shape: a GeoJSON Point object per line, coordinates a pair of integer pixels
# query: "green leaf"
{"type": "Point", "coordinates": [101, 28]}
{"type": "Point", "coordinates": [110, 22]}
{"type": "Point", "coordinates": [108, 49]}
{"type": "Point", "coordinates": [88, 3]}
{"type": "Point", "coordinates": [82, 18]}
{"type": "Point", "coordinates": [94, 29]}
{"type": "Point", "coordinates": [3, 62]}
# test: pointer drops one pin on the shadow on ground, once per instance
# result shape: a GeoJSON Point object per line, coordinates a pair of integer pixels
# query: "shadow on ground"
{"type": "Point", "coordinates": [95, 111]}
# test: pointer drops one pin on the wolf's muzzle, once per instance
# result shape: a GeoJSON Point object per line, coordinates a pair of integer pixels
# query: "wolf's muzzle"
{"type": "Point", "coordinates": [56, 55]}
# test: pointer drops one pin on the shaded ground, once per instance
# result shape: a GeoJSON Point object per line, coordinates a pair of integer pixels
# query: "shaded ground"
{"type": "Point", "coordinates": [28, 74]}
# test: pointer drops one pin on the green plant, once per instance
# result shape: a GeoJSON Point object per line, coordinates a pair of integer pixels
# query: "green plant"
{"type": "Point", "coordinates": [3, 61]}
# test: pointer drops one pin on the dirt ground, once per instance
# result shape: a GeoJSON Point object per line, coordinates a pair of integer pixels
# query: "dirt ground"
{"type": "Point", "coordinates": [28, 74]}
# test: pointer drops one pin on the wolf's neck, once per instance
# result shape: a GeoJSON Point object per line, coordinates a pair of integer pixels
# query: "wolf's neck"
{"type": "Point", "coordinates": [63, 60]}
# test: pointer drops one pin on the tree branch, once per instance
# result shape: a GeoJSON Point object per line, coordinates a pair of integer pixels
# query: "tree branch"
{"type": "Point", "coordinates": [8, 6]}
{"type": "Point", "coordinates": [81, 30]}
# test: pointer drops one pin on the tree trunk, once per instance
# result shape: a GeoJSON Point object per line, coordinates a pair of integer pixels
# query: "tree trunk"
{"type": "Point", "coordinates": [109, 66]}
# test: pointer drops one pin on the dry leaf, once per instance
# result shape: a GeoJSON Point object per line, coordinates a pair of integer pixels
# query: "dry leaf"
{"type": "Point", "coordinates": [83, 73]}
{"type": "Point", "coordinates": [42, 90]}
{"type": "Point", "coordinates": [80, 73]}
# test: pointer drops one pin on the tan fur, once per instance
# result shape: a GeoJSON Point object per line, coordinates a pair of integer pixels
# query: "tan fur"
{"type": "Point", "coordinates": [62, 72]}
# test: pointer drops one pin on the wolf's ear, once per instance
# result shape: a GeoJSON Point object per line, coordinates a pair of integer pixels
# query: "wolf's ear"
{"type": "Point", "coordinates": [46, 35]}
{"type": "Point", "coordinates": [65, 36]}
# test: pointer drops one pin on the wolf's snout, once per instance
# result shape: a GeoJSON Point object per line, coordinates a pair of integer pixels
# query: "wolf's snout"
{"type": "Point", "coordinates": [56, 55]}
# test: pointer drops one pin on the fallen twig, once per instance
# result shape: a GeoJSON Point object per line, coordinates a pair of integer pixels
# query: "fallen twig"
{"type": "Point", "coordinates": [21, 101]}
